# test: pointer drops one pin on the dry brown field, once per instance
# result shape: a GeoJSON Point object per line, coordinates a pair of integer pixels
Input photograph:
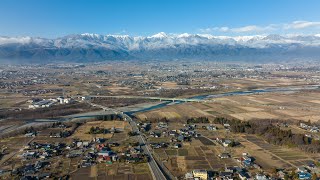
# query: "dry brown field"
{"type": "Point", "coordinates": [269, 155]}
{"type": "Point", "coordinates": [266, 155]}
{"type": "Point", "coordinates": [83, 131]}
{"type": "Point", "coordinates": [173, 112]}
{"type": "Point", "coordinates": [294, 106]}
{"type": "Point", "coordinates": [114, 171]}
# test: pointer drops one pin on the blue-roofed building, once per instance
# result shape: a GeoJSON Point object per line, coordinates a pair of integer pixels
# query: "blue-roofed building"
{"type": "Point", "coordinates": [247, 163]}
{"type": "Point", "coordinates": [304, 175]}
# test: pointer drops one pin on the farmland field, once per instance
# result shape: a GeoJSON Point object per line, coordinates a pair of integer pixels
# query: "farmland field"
{"type": "Point", "coordinates": [284, 157]}
{"type": "Point", "coordinates": [83, 131]}
{"type": "Point", "coordinates": [292, 106]}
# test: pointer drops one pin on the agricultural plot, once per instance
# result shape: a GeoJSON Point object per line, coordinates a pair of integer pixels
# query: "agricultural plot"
{"type": "Point", "coordinates": [206, 158]}
{"type": "Point", "coordinates": [289, 157]}
{"type": "Point", "coordinates": [119, 171]}
{"type": "Point", "coordinates": [119, 137]}
{"type": "Point", "coordinates": [158, 140]}
{"type": "Point", "coordinates": [251, 109]}
{"type": "Point", "coordinates": [82, 173]}
{"type": "Point", "coordinates": [182, 152]}
{"type": "Point", "coordinates": [222, 106]}
{"type": "Point", "coordinates": [201, 153]}
{"type": "Point", "coordinates": [273, 82]}
{"type": "Point", "coordinates": [254, 115]}
{"type": "Point", "coordinates": [294, 105]}
{"type": "Point", "coordinates": [11, 147]}
{"type": "Point", "coordinates": [12, 101]}
{"type": "Point", "coordinates": [174, 112]}
{"type": "Point", "coordinates": [141, 169]}
{"type": "Point", "coordinates": [298, 106]}
{"type": "Point", "coordinates": [161, 154]}
{"type": "Point", "coordinates": [171, 152]}
{"type": "Point", "coordinates": [47, 139]}
{"type": "Point", "coordinates": [83, 131]}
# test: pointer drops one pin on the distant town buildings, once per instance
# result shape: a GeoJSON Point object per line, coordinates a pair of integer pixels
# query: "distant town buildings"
{"type": "Point", "coordinates": [43, 103]}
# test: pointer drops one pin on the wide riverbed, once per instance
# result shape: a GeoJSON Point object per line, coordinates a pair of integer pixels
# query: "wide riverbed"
{"type": "Point", "coordinates": [155, 105]}
{"type": "Point", "coordinates": [233, 93]}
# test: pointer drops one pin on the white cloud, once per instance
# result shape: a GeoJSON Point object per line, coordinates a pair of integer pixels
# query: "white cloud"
{"type": "Point", "coordinates": [244, 29]}
{"type": "Point", "coordinates": [224, 29]}
{"type": "Point", "coordinates": [302, 25]}
{"type": "Point", "coordinates": [295, 25]}
{"type": "Point", "coordinates": [252, 28]}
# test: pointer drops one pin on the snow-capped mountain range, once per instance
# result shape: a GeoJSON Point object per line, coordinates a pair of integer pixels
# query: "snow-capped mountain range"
{"type": "Point", "coordinates": [94, 47]}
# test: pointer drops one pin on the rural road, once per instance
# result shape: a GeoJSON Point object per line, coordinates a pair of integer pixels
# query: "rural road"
{"type": "Point", "coordinates": [156, 172]}
{"type": "Point", "coordinates": [15, 152]}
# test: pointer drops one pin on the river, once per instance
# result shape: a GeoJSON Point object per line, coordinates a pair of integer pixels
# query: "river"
{"type": "Point", "coordinates": [84, 116]}
{"type": "Point", "coordinates": [233, 93]}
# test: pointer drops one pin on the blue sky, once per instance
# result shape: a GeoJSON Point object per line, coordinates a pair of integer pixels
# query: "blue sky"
{"type": "Point", "coordinates": [54, 18]}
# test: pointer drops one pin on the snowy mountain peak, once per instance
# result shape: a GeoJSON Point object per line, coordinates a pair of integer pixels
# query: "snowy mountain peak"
{"type": "Point", "coordinates": [88, 46]}
{"type": "Point", "coordinates": [162, 40]}
{"type": "Point", "coordinates": [160, 35]}
{"type": "Point", "coordinates": [184, 35]}
{"type": "Point", "coordinates": [274, 37]}
{"type": "Point", "coordinates": [119, 36]}
{"type": "Point", "coordinates": [92, 35]}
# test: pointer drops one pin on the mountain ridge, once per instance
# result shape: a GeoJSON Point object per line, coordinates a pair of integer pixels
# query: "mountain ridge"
{"type": "Point", "coordinates": [94, 47]}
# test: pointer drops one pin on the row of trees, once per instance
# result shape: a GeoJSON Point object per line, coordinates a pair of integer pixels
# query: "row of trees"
{"type": "Point", "coordinates": [271, 133]}
{"type": "Point", "coordinates": [198, 120]}
{"type": "Point", "coordinates": [98, 130]}
{"type": "Point", "coordinates": [111, 117]}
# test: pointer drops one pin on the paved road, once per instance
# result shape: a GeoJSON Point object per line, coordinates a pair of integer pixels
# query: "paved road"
{"type": "Point", "coordinates": [156, 172]}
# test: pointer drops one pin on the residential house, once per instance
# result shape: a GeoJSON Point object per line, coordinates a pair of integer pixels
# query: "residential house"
{"type": "Point", "coordinates": [201, 174]}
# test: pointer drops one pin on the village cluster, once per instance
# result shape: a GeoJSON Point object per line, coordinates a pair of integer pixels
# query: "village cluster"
{"type": "Point", "coordinates": [42, 156]}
